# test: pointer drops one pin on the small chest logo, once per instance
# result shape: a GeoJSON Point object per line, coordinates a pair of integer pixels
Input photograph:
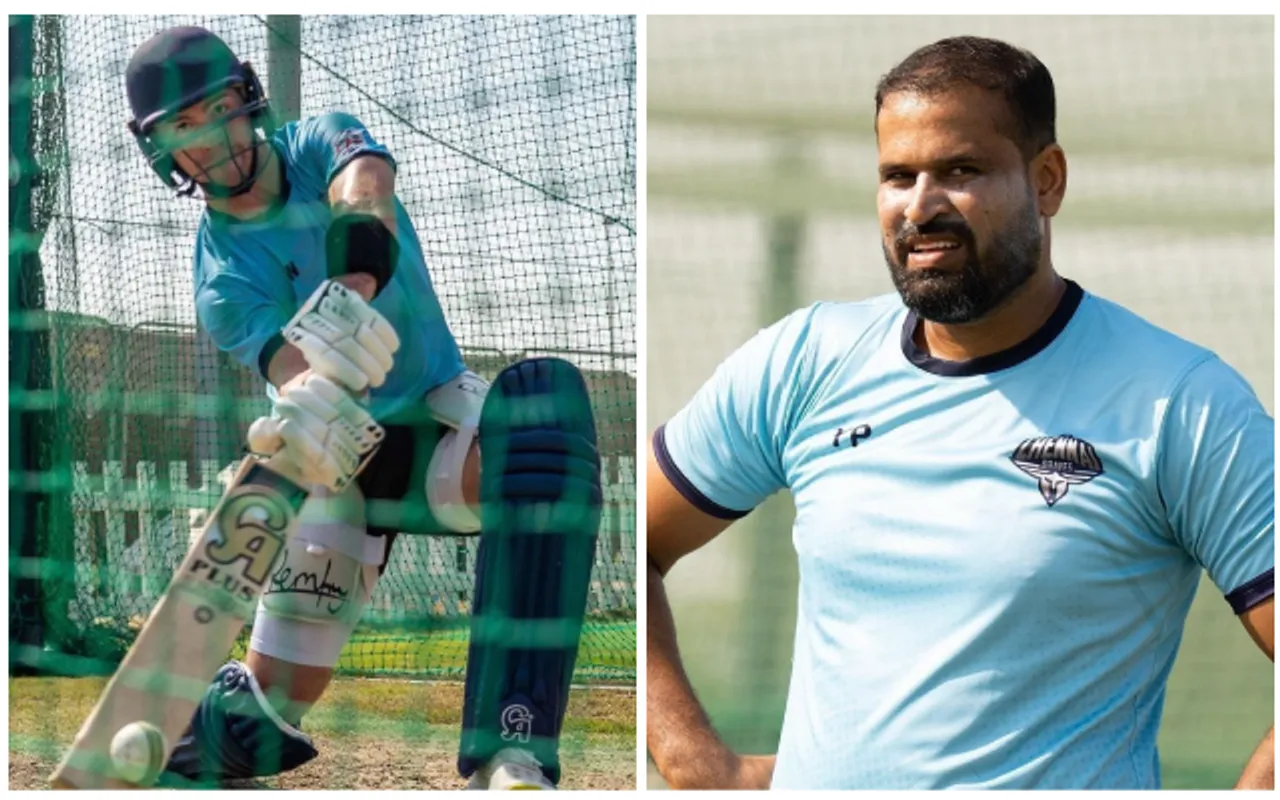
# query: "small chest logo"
{"type": "Point", "coordinates": [1057, 463]}
{"type": "Point", "coordinates": [851, 436]}
{"type": "Point", "coordinates": [292, 269]}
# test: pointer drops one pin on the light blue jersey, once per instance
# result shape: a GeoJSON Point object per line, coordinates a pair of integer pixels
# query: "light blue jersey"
{"type": "Point", "coordinates": [996, 556]}
{"type": "Point", "coordinates": [250, 277]}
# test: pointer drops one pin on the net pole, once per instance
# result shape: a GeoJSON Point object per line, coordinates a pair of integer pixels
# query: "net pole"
{"type": "Point", "coordinates": [284, 65]}
{"type": "Point", "coordinates": [24, 605]}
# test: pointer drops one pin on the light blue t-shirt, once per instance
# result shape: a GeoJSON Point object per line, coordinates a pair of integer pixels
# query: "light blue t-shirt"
{"type": "Point", "coordinates": [996, 556]}
{"type": "Point", "coordinates": [251, 276]}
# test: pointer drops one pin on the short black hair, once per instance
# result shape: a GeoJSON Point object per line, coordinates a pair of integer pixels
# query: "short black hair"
{"type": "Point", "coordinates": [1017, 75]}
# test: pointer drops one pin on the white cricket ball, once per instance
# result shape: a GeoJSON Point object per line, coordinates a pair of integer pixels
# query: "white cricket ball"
{"type": "Point", "coordinates": [137, 751]}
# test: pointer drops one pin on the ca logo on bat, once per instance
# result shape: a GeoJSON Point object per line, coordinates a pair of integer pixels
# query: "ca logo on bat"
{"type": "Point", "coordinates": [250, 537]}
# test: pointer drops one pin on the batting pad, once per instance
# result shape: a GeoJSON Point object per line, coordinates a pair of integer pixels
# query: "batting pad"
{"type": "Point", "coordinates": [541, 502]}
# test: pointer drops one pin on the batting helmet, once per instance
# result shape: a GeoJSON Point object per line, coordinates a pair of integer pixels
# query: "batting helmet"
{"type": "Point", "coordinates": [178, 68]}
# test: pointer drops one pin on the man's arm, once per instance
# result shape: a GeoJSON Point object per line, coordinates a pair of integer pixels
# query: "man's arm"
{"type": "Point", "coordinates": [366, 185]}
{"type": "Point", "coordinates": [1260, 772]}
{"type": "Point", "coordinates": [1215, 472]}
{"type": "Point", "coordinates": [685, 747]}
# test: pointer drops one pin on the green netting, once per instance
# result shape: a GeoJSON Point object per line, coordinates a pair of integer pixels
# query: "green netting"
{"type": "Point", "coordinates": [515, 144]}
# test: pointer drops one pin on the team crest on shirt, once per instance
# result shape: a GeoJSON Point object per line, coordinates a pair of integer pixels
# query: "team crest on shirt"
{"type": "Point", "coordinates": [1057, 463]}
{"type": "Point", "coordinates": [349, 142]}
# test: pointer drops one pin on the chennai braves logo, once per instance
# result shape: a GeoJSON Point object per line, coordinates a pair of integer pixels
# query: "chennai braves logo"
{"type": "Point", "coordinates": [1057, 463]}
{"type": "Point", "coordinates": [517, 723]}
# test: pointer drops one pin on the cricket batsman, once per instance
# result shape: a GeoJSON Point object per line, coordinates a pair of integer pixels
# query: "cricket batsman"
{"type": "Point", "coordinates": [1006, 487]}
{"type": "Point", "coordinates": [308, 270]}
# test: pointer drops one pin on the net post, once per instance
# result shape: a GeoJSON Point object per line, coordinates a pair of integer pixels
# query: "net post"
{"type": "Point", "coordinates": [23, 597]}
{"type": "Point", "coordinates": [284, 65]}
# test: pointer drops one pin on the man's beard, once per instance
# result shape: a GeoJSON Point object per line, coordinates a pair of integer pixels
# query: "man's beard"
{"type": "Point", "coordinates": [985, 280]}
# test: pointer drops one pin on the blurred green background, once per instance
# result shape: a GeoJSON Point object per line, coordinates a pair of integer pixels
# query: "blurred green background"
{"type": "Point", "coordinates": [761, 198]}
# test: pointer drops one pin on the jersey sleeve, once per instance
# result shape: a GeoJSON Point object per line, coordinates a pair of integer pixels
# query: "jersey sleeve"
{"type": "Point", "coordinates": [242, 317]}
{"type": "Point", "coordinates": [327, 143]}
{"type": "Point", "coordinates": [723, 451]}
{"type": "Point", "coordinates": [1216, 475]}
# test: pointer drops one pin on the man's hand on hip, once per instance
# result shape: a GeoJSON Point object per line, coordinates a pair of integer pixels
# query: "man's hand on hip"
{"type": "Point", "coordinates": [725, 770]}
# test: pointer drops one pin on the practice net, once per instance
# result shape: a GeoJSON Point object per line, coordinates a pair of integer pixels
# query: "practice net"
{"type": "Point", "coordinates": [515, 144]}
{"type": "Point", "coordinates": [761, 178]}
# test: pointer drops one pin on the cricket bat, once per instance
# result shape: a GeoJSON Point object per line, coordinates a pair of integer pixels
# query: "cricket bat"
{"type": "Point", "coordinates": [192, 629]}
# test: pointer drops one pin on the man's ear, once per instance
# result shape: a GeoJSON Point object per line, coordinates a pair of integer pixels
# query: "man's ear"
{"type": "Point", "coordinates": [1048, 172]}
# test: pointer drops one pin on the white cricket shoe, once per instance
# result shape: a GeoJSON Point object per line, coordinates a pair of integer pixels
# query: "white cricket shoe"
{"type": "Point", "coordinates": [511, 769]}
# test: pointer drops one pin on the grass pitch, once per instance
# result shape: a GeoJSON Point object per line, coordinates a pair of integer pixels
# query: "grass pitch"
{"type": "Point", "coordinates": [397, 728]}
{"type": "Point", "coordinates": [371, 733]}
